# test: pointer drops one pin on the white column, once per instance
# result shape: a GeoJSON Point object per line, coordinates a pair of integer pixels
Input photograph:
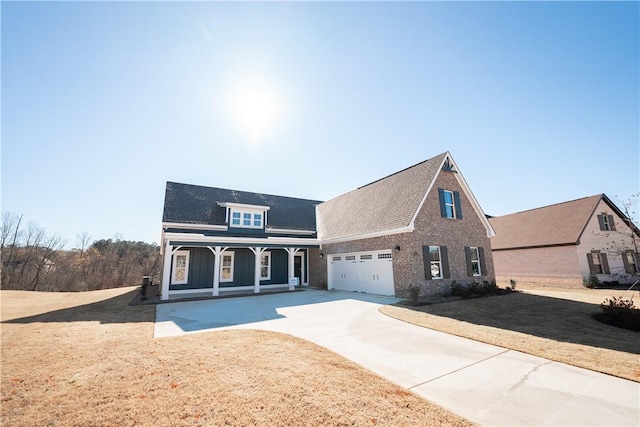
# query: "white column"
{"type": "Point", "coordinates": [217, 257]}
{"type": "Point", "coordinates": [291, 252]}
{"type": "Point", "coordinates": [166, 271]}
{"type": "Point", "coordinates": [256, 276]}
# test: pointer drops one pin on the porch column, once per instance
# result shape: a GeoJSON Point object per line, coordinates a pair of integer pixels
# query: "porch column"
{"type": "Point", "coordinates": [166, 271]}
{"type": "Point", "coordinates": [217, 256]}
{"type": "Point", "coordinates": [291, 252]}
{"type": "Point", "coordinates": [256, 275]}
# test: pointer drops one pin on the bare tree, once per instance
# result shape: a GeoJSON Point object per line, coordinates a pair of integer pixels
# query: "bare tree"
{"type": "Point", "coordinates": [83, 240]}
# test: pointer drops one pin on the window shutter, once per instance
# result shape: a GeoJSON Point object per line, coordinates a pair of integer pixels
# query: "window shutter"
{"type": "Point", "coordinates": [605, 263]}
{"type": "Point", "coordinates": [467, 255]}
{"type": "Point", "coordinates": [601, 222]}
{"type": "Point", "coordinates": [612, 226]}
{"type": "Point", "coordinates": [443, 209]}
{"type": "Point", "coordinates": [456, 200]}
{"type": "Point", "coordinates": [625, 261]}
{"type": "Point", "coordinates": [426, 259]}
{"type": "Point", "coordinates": [592, 269]}
{"type": "Point", "coordinates": [444, 259]}
{"type": "Point", "coordinates": [483, 266]}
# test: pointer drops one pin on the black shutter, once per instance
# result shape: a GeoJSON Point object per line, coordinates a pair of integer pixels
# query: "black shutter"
{"type": "Point", "coordinates": [612, 226]}
{"type": "Point", "coordinates": [444, 259]}
{"type": "Point", "coordinates": [627, 267]}
{"type": "Point", "coordinates": [443, 208]}
{"type": "Point", "coordinates": [605, 263]}
{"type": "Point", "coordinates": [483, 265]}
{"type": "Point", "coordinates": [467, 255]}
{"type": "Point", "coordinates": [592, 268]}
{"type": "Point", "coordinates": [601, 222]}
{"type": "Point", "coordinates": [456, 201]}
{"type": "Point", "coordinates": [426, 259]}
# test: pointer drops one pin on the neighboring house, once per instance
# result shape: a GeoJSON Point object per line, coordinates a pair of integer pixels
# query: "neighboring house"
{"type": "Point", "coordinates": [563, 244]}
{"type": "Point", "coordinates": [421, 227]}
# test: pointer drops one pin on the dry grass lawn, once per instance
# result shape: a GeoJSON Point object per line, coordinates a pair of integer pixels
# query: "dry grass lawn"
{"type": "Point", "coordinates": [552, 323]}
{"type": "Point", "coordinates": [88, 359]}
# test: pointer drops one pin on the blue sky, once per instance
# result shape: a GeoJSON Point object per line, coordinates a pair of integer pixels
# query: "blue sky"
{"type": "Point", "coordinates": [102, 103]}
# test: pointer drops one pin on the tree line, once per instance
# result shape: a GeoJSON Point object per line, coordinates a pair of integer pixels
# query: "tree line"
{"type": "Point", "coordinates": [35, 260]}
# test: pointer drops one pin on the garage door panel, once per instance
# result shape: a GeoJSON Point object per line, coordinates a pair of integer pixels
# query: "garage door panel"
{"type": "Point", "coordinates": [370, 272]}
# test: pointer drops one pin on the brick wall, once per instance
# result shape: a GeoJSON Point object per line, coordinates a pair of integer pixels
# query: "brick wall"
{"type": "Point", "coordinates": [430, 229]}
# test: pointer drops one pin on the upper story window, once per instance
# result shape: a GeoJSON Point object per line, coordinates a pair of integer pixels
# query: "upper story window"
{"type": "Point", "coordinates": [246, 216]}
{"type": "Point", "coordinates": [450, 204]}
{"type": "Point", "coordinates": [606, 222]}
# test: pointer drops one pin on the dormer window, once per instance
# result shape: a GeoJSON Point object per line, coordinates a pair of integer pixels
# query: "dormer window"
{"type": "Point", "coordinates": [245, 216]}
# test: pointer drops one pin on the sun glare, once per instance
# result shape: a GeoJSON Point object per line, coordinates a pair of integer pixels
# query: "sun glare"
{"type": "Point", "coordinates": [256, 110]}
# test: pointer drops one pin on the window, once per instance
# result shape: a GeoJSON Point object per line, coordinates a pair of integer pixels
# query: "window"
{"type": "Point", "coordinates": [606, 222]}
{"type": "Point", "coordinates": [180, 271]}
{"type": "Point", "coordinates": [598, 263]}
{"type": "Point", "coordinates": [435, 262]}
{"type": "Point", "coordinates": [475, 262]}
{"type": "Point", "coordinates": [630, 261]}
{"type": "Point", "coordinates": [265, 266]}
{"type": "Point", "coordinates": [235, 218]}
{"type": "Point", "coordinates": [449, 204]}
{"type": "Point", "coordinates": [246, 219]}
{"type": "Point", "coordinates": [226, 270]}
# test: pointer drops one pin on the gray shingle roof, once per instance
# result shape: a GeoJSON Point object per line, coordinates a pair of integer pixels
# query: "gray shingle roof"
{"type": "Point", "coordinates": [386, 204]}
{"type": "Point", "coordinates": [558, 224]}
{"type": "Point", "coordinates": [194, 204]}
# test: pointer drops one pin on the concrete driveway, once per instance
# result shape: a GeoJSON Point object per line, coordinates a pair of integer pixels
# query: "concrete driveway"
{"type": "Point", "coordinates": [486, 384]}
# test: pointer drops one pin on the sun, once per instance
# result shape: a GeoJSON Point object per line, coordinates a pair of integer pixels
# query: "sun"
{"type": "Point", "coordinates": [256, 110]}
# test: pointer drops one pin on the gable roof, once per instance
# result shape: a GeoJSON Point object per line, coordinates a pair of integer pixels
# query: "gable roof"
{"type": "Point", "coordinates": [194, 204]}
{"type": "Point", "coordinates": [554, 225]}
{"type": "Point", "coordinates": [387, 205]}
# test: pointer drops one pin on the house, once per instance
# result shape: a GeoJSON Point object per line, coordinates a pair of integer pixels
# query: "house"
{"type": "Point", "coordinates": [563, 244]}
{"type": "Point", "coordinates": [421, 226]}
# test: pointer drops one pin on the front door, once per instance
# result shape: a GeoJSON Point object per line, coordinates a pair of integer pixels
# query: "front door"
{"type": "Point", "coordinates": [298, 268]}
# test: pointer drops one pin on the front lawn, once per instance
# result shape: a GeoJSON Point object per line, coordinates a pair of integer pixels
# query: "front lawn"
{"type": "Point", "coordinates": [556, 324]}
{"type": "Point", "coordinates": [85, 359]}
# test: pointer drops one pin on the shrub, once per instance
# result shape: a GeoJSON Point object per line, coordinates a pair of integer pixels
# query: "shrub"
{"type": "Point", "coordinates": [591, 281]}
{"type": "Point", "coordinates": [620, 312]}
{"type": "Point", "coordinates": [512, 283]}
{"type": "Point", "coordinates": [414, 293]}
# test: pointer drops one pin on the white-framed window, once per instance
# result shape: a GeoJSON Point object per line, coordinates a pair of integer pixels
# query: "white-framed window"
{"type": "Point", "coordinates": [475, 262]}
{"type": "Point", "coordinates": [435, 262]}
{"type": "Point", "coordinates": [246, 219]}
{"type": "Point", "coordinates": [630, 262]}
{"type": "Point", "coordinates": [180, 270]}
{"type": "Point", "coordinates": [265, 266]}
{"type": "Point", "coordinates": [597, 262]}
{"type": "Point", "coordinates": [235, 218]}
{"type": "Point", "coordinates": [449, 204]}
{"type": "Point", "coordinates": [226, 267]}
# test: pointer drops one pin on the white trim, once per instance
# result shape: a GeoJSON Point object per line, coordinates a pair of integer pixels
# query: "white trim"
{"type": "Point", "coordinates": [368, 235]}
{"type": "Point", "coordinates": [471, 260]}
{"type": "Point", "coordinates": [289, 231]}
{"type": "Point", "coordinates": [439, 262]}
{"type": "Point", "coordinates": [465, 188]}
{"type": "Point", "coordinates": [242, 206]}
{"type": "Point", "coordinates": [222, 255]}
{"type": "Point", "coordinates": [176, 254]}
{"type": "Point", "coordinates": [166, 225]}
{"type": "Point", "coordinates": [249, 241]}
{"type": "Point", "coordinates": [268, 255]}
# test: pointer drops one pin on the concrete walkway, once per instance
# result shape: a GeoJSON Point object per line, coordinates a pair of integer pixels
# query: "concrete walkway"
{"type": "Point", "coordinates": [486, 384]}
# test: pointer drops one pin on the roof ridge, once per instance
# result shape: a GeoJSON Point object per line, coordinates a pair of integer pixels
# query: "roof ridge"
{"type": "Point", "coordinates": [243, 191]}
{"type": "Point", "coordinates": [549, 206]}
{"type": "Point", "coordinates": [400, 171]}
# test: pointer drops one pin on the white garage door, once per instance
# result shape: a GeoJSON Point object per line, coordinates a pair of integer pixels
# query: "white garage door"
{"type": "Point", "coordinates": [370, 272]}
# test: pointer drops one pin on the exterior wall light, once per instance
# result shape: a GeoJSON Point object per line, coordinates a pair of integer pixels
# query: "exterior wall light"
{"type": "Point", "coordinates": [398, 248]}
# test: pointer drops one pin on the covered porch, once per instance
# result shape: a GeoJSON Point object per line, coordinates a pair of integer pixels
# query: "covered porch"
{"type": "Point", "coordinates": [221, 265]}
